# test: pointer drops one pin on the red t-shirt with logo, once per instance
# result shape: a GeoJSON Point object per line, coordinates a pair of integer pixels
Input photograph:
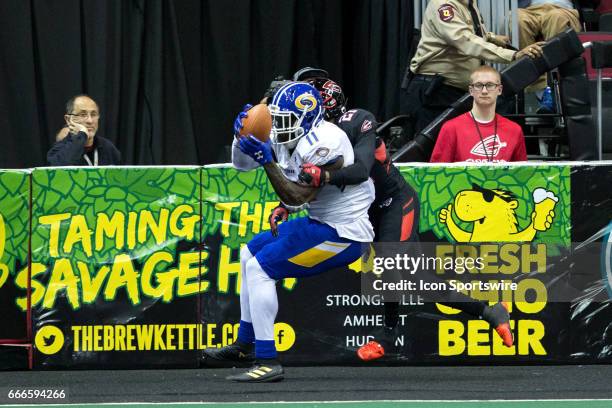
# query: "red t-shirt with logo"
{"type": "Point", "coordinates": [459, 141]}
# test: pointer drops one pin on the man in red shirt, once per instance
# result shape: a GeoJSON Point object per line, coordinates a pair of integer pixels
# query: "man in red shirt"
{"type": "Point", "coordinates": [481, 135]}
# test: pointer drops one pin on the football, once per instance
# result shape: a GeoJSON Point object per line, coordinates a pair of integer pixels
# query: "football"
{"type": "Point", "coordinates": [257, 123]}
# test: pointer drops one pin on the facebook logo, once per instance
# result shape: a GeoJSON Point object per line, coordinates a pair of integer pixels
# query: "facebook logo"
{"type": "Point", "coordinates": [281, 334]}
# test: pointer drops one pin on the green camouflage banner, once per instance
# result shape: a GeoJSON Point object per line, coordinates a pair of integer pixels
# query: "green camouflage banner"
{"type": "Point", "coordinates": [240, 203]}
{"type": "Point", "coordinates": [114, 252]}
{"type": "Point", "coordinates": [140, 267]}
{"type": "Point", "coordinates": [14, 239]}
{"type": "Point", "coordinates": [455, 208]}
{"type": "Point", "coordinates": [236, 206]}
{"type": "Point", "coordinates": [439, 187]}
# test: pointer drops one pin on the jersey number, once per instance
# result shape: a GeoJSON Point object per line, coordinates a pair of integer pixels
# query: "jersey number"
{"type": "Point", "coordinates": [310, 140]}
{"type": "Point", "coordinates": [348, 116]}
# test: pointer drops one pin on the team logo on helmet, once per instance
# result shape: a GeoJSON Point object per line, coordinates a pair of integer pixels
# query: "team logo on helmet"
{"type": "Point", "coordinates": [306, 102]}
{"type": "Point", "coordinates": [334, 101]}
{"type": "Point", "coordinates": [332, 86]}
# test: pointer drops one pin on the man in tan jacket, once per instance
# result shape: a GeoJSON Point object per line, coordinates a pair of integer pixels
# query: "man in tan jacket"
{"type": "Point", "coordinates": [454, 42]}
{"type": "Point", "coordinates": [542, 20]}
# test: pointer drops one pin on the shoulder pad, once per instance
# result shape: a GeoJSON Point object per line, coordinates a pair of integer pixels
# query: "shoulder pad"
{"type": "Point", "coordinates": [322, 144]}
{"type": "Point", "coordinates": [358, 120]}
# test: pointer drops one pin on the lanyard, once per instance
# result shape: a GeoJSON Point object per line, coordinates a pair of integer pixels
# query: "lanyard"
{"type": "Point", "coordinates": [484, 147]}
{"type": "Point", "coordinates": [95, 162]}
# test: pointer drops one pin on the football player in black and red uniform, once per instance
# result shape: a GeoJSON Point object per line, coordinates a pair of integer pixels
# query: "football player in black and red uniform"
{"type": "Point", "coordinates": [395, 211]}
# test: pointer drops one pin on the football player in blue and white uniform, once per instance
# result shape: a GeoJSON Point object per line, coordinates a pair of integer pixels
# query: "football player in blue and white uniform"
{"type": "Point", "coordinates": [331, 236]}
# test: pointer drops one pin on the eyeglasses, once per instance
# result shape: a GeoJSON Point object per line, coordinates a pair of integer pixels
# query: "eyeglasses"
{"type": "Point", "coordinates": [85, 115]}
{"type": "Point", "coordinates": [489, 85]}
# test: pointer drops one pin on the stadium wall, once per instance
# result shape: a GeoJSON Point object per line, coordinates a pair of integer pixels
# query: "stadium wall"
{"type": "Point", "coordinates": [133, 267]}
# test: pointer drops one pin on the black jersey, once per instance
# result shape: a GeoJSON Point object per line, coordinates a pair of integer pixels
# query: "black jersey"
{"type": "Point", "coordinates": [371, 156]}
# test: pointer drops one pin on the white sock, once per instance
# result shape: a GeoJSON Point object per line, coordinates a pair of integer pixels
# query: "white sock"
{"type": "Point", "coordinates": [245, 310]}
{"type": "Point", "coordinates": [262, 299]}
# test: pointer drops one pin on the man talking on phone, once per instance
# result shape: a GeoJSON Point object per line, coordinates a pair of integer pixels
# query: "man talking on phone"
{"type": "Point", "coordinates": [81, 147]}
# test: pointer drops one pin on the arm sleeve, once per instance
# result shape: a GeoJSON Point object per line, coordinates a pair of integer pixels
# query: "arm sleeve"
{"type": "Point", "coordinates": [460, 35]}
{"type": "Point", "coordinates": [68, 151]}
{"type": "Point", "coordinates": [444, 150]}
{"type": "Point", "coordinates": [359, 171]}
{"type": "Point", "coordinates": [240, 160]}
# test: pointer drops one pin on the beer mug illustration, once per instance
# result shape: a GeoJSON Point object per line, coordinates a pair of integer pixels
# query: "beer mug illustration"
{"type": "Point", "coordinates": [545, 202]}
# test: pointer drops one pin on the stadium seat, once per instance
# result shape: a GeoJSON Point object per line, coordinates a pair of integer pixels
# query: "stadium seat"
{"type": "Point", "coordinates": [605, 6]}
{"type": "Point", "coordinates": [393, 132]}
{"type": "Point", "coordinates": [594, 36]}
{"type": "Point", "coordinates": [607, 114]}
{"type": "Point", "coordinates": [605, 22]}
{"type": "Point", "coordinates": [606, 87]}
{"type": "Point", "coordinates": [589, 17]}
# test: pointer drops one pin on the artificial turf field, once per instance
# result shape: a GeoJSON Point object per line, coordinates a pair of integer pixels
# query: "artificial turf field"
{"type": "Point", "coordinates": [328, 387]}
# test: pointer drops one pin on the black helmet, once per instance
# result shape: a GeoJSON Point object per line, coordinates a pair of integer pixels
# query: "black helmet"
{"type": "Point", "coordinates": [334, 101]}
{"type": "Point", "coordinates": [309, 73]}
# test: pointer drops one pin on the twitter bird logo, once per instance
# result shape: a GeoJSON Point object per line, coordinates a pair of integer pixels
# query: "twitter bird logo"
{"type": "Point", "coordinates": [49, 339]}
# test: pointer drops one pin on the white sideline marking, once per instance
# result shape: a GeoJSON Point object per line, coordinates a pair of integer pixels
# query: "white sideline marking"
{"type": "Point", "coordinates": [309, 402]}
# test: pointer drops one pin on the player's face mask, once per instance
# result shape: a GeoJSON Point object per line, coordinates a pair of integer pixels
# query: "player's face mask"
{"type": "Point", "coordinates": [286, 129]}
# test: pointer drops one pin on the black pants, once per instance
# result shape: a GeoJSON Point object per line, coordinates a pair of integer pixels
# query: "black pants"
{"type": "Point", "coordinates": [397, 220]}
{"type": "Point", "coordinates": [425, 104]}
